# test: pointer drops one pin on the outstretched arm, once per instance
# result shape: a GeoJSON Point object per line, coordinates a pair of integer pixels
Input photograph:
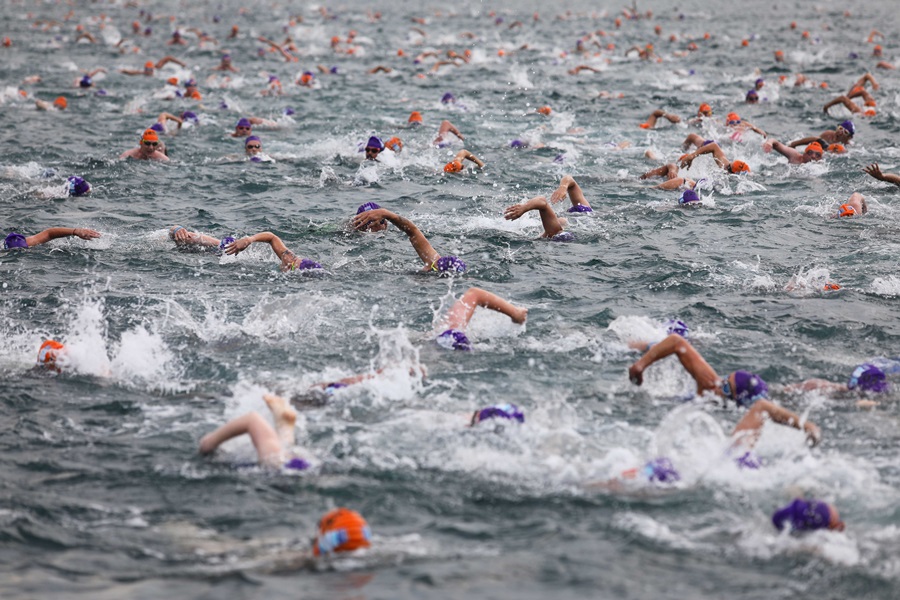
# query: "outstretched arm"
{"type": "Point", "coordinates": [466, 155]}
{"type": "Point", "coordinates": [750, 425]}
{"type": "Point", "coordinates": [448, 127]}
{"type": "Point", "coordinates": [803, 141]}
{"type": "Point", "coordinates": [461, 312]}
{"type": "Point", "coordinates": [712, 148]}
{"type": "Point", "coordinates": [691, 360]}
{"type": "Point", "coordinates": [167, 59]}
{"type": "Point", "coordinates": [549, 220]}
{"type": "Point", "coordinates": [60, 232]}
{"type": "Point", "coordinates": [183, 237]}
{"type": "Point", "coordinates": [875, 171]}
{"type": "Point", "coordinates": [568, 185]}
{"type": "Point", "coordinates": [786, 151]}
{"type": "Point", "coordinates": [847, 102]}
{"type": "Point", "coordinates": [418, 240]}
{"type": "Point", "coordinates": [268, 237]}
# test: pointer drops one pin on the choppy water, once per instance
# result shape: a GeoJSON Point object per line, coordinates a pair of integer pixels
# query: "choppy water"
{"type": "Point", "coordinates": [103, 493]}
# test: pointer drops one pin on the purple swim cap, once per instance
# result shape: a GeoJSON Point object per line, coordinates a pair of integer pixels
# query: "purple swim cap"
{"type": "Point", "coordinates": [189, 116]}
{"type": "Point", "coordinates": [676, 326]}
{"type": "Point", "coordinates": [288, 111]}
{"type": "Point", "coordinates": [455, 339]}
{"type": "Point", "coordinates": [803, 515]}
{"type": "Point", "coordinates": [297, 464]}
{"type": "Point", "coordinates": [159, 127]}
{"type": "Point", "coordinates": [252, 138]}
{"type": "Point", "coordinates": [14, 240]}
{"type": "Point", "coordinates": [448, 98]}
{"type": "Point", "coordinates": [661, 470]}
{"type": "Point", "coordinates": [190, 83]}
{"type": "Point", "coordinates": [688, 196]}
{"type": "Point", "coordinates": [86, 81]}
{"type": "Point", "coordinates": [868, 378]}
{"type": "Point", "coordinates": [448, 264]}
{"type": "Point", "coordinates": [499, 411]}
{"type": "Point", "coordinates": [580, 208]}
{"type": "Point", "coordinates": [752, 95]}
{"type": "Point", "coordinates": [224, 242]}
{"type": "Point", "coordinates": [849, 127]}
{"type": "Point", "coordinates": [307, 263]}
{"type": "Point", "coordinates": [375, 142]}
{"type": "Point", "coordinates": [273, 78]}
{"type": "Point", "coordinates": [333, 70]}
{"type": "Point", "coordinates": [853, 56]}
{"type": "Point", "coordinates": [101, 92]}
{"type": "Point", "coordinates": [518, 144]}
{"type": "Point", "coordinates": [244, 122]}
{"type": "Point", "coordinates": [78, 186]}
{"type": "Point", "coordinates": [563, 236]}
{"type": "Point", "coordinates": [748, 460]}
{"type": "Point", "coordinates": [255, 159]}
{"type": "Point", "coordinates": [748, 388]}
{"type": "Point", "coordinates": [367, 206]}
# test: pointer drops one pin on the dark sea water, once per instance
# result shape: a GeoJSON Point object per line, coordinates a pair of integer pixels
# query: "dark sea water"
{"type": "Point", "coordinates": [102, 493]}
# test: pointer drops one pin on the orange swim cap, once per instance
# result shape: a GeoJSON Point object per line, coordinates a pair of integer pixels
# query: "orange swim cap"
{"type": "Point", "coordinates": [870, 112]}
{"type": "Point", "coordinates": [61, 103]}
{"type": "Point", "coordinates": [846, 210]}
{"type": "Point", "coordinates": [394, 144]}
{"type": "Point", "coordinates": [814, 147]}
{"type": "Point", "coordinates": [645, 125]}
{"type": "Point", "coordinates": [415, 117]}
{"type": "Point", "coordinates": [705, 109]}
{"type": "Point", "coordinates": [740, 166]}
{"type": "Point", "coordinates": [836, 148]}
{"type": "Point", "coordinates": [172, 81]}
{"type": "Point", "coordinates": [7, 42]}
{"type": "Point", "coordinates": [733, 116]}
{"type": "Point", "coordinates": [831, 287]}
{"type": "Point", "coordinates": [149, 136]}
{"type": "Point", "coordinates": [745, 42]}
{"type": "Point", "coordinates": [779, 53]}
{"type": "Point", "coordinates": [400, 52]}
{"type": "Point", "coordinates": [823, 85]}
{"type": "Point", "coordinates": [149, 64]}
{"type": "Point", "coordinates": [501, 52]}
{"type": "Point", "coordinates": [306, 79]}
{"type": "Point", "coordinates": [49, 353]}
{"type": "Point", "coordinates": [341, 530]}
{"type": "Point", "coordinates": [454, 166]}
{"type": "Point", "coordinates": [870, 102]}
{"type": "Point", "coordinates": [545, 110]}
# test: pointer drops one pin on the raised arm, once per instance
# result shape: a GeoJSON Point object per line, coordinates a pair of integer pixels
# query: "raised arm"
{"type": "Point", "coordinates": [169, 59]}
{"type": "Point", "coordinates": [549, 220]}
{"type": "Point", "coordinates": [847, 102]}
{"type": "Point", "coordinates": [875, 171]}
{"type": "Point", "coordinates": [418, 240]}
{"type": "Point", "coordinates": [691, 360]}
{"type": "Point", "coordinates": [803, 141]}
{"type": "Point", "coordinates": [712, 148]}
{"type": "Point", "coordinates": [466, 155]}
{"type": "Point", "coordinates": [60, 232]}
{"type": "Point", "coordinates": [786, 151]}
{"type": "Point", "coordinates": [163, 117]}
{"type": "Point", "coordinates": [461, 312]}
{"type": "Point", "coordinates": [750, 425]}
{"type": "Point", "coordinates": [268, 237]}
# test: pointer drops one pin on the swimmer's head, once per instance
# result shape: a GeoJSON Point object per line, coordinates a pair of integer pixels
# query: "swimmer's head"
{"type": "Point", "coordinates": [371, 225]}
{"type": "Point", "coordinates": [563, 236]}
{"type": "Point", "coordinates": [78, 186]}
{"type": "Point", "coordinates": [448, 264]}
{"type": "Point", "coordinates": [752, 97]}
{"type": "Point", "coordinates": [225, 241]}
{"type": "Point", "coordinates": [661, 470]}
{"type": "Point", "coordinates": [676, 326]}
{"type": "Point", "coordinates": [518, 144]}
{"type": "Point", "coordinates": [395, 144]}
{"type": "Point", "coordinates": [288, 111]}
{"type": "Point", "coordinates": [454, 166]}
{"type": "Point", "coordinates": [172, 81]}
{"type": "Point", "coordinates": [373, 147]}
{"type": "Point", "coordinates": [190, 116]}
{"type": "Point", "coordinates": [836, 148]}
{"type": "Point", "coordinates": [738, 166]}
{"type": "Point", "coordinates": [807, 515]}
{"type": "Point", "coordinates": [580, 208]}
{"type": "Point", "coordinates": [61, 103]}
{"type": "Point", "coordinates": [307, 78]}
{"type": "Point", "coordinates": [545, 110]}
{"type": "Point", "coordinates": [814, 150]}
{"type": "Point", "coordinates": [510, 412]}
{"type": "Point", "coordinates": [448, 98]}
{"type": "Point", "coordinates": [149, 66]}
{"type": "Point", "coordinates": [759, 83]}
{"type": "Point", "coordinates": [415, 118]}
{"type": "Point", "coordinates": [150, 139]}
{"type": "Point", "coordinates": [341, 530]}
{"type": "Point", "coordinates": [453, 339]}
{"type": "Point", "coordinates": [14, 240]}
{"type": "Point", "coordinates": [688, 196]}
{"type": "Point", "coordinates": [86, 82]}
{"type": "Point", "coordinates": [252, 145]}
{"type": "Point", "coordinates": [848, 127]}
{"type": "Point", "coordinates": [243, 126]}
{"type": "Point", "coordinates": [748, 388]}
{"type": "Point", "coordinates": [49, 353]}
{"type": "Point", "coordinates": [705, 110]}
{"type": "Point", "coordinates": [733, 119]}
{"type": "Point", "coordinates": [306, 264]}
{"type": "Point", "coordinates": [868, 378]}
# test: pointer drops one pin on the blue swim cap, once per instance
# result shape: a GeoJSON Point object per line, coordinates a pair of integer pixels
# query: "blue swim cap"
{"type": "Point", "coordinates": [256, 159]}
{"type": "Point", "coordinates": [307, 263]}
{"type": "Point", "coordinates": [86, 81]}
{"type": "Point", "coordinates": [448, 264]}
{"type": "Point", "coordinates": [676, 326]}
{"type": "Point", "coordinates": [499, 411]}
{"type": "Point", "coordinates": [849, 127]}
{"type": "Point", "coordinates": [224, 242]}
{"type": "Point", "coordinates": [688, 196]}
{"type": "Point", "coordinates": [803, 515]}
{"type": "Point", "coordinates": [661, 470]}
{"type": "Point", "coordinates": [190, 116]}
{"type": "Point", "coordinates": [243, 122]}
{"type": "Point", "coordinates": [580, 208]}
{"type": "Point", "coordinates": [454, 339]}
{"type": "Point", "coordinates": [518, 144]}
{"type": "Point", "coordinates": [252, 138]}
{"type": "Point", "coordinates": [297, 464]}
{"type": "Point", "coordinates": [78, 186]}
{"type": "Point", "coordinates": [447, 98]}
{"type": "Point", "coordinates": [748, 460]}
{"type": "Point", "coordinates": [749, 387]}
{"type": "Point", "coordinates": [868, 378]}
{"type": "Point", "coordinates": [158, 127]}
{"type": "Point", "coordinates": [288, 111]}
{"type": "Point", "coordinates": [375, 142]}
{"type": "Point", "coordinates": [14, 240]}
{"type": "Point", "coordinates": [367, 206]}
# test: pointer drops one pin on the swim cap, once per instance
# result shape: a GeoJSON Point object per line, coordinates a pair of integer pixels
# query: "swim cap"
{"type": "Point", "coordinates": [752, 96]}
{"type": "Point", "coordinates": [499, 411]}
{"type": "Point", "coordinates": [190, 116]}
{"type": "Point", "coordinates": [580, 208]}
{"type": "Point", "coordinates": [394, 144]}
{"type": "Point", "coordinates": [748, 388]}
{"type": "Point", "coordinates": [306, 78]}
{"type": "Point", "coordinates": [297, 464]}
{"type": "Point", "coordinates": [14, 240]}
{"type": "Point", "coordinates": [190, 83]}
{"type": "Point", "coordinates": [868, 378]}
{"type": "Point", "coordinates": [366, 207]}
{"type": "Point", "coordinates": [759, 81]}
{"type": "Point", "coordinates": [86, 81]}
{"type": "Point", "coordinates": [748, 460]}
{"type": "Point", "coordinates": [848, 127]}
{"type": "Point", "coordinates": [78, 186]}
{"type": "Point", "coordinates": [243, 122]}
{"type": "Point", "coordinates": [563, 236]}
{"type": "Point", "coordinates": [255, 159]}
{"type": "Point", "coordinates": [740, 166]}
{"type": "Point", "coordinates": [172, 81]}
{"type": "Point", "coordinates": [814, 147]}
{"type": "Point", "coordinates": [158, 127]}
{"type": "Point", "coordinates": [447, 98]}
{"type": "Point", "coordinates": [705, 109]}
{"type": "Point", "coordinates": [305, 264]}
{"type": "Point", "coordinates": [836, 148]}
{"type": "Point", "coordinates": [830, 286]}
{"type": "Point", "coordinates": [333, 70]}
{"type": "Point", "coordinates": [252, 138]}
{"type": "Point", "coordinates": [149, 136]}
{"type": "Point", "coordinates": [61, 103]}
{"type": "Point", "coordinates": [688, 196]}
{"type": "Point", "coordinates": [49, 353]}
{"type": "Point", "coordinates": [375, 142]}
{"type": "Point", "coordinates": [870, 112]}
{"type": "Point", "coordinates": [676, 326]}
{"type": "Point", "coordinates": [415, 117]}
{"type": "Point", "coordinates": [453, 339]}
{"type": "Point", "coordinates": [661, 470]}
{"type": "Point", "coordinates": [545, 110]}
{"type": "Point", "coordinates": [454, 166]}
{"type": "Point", "coordinates": [288, 111]}
{"type": "Point", "coordinates": [732, 118]}
{"type": "Point", "coordinates": [803, 515]}
{"type": "Point", "coordinates": [448, 264]}
{"type": "Point", "coordinates": [149, 64]}
{"type": "Point", "coordinates": [518, 144]}
{"type": "Point", "coordinates": [341, 530]}
{"type": "Point", "coordinates": [225, 241]}
{"type": "Point", "coordinates": [846, 210]}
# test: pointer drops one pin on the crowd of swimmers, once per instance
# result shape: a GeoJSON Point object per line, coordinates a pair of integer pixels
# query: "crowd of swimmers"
{"type": "Point", "coordinates": [343, 529]}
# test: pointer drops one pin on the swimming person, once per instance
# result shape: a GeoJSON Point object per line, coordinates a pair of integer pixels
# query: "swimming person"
{"type": "Point", "coordinates": [812, 153]}
{"type": "Point", "coordinates": [148, 148]}
{"type": "Point", "coordinates": [289, 260]}
{"type": "Point", "coordinates": [452, 326]}
{"type": "Point", "coordinates": [875, 171]}
{"type": "Point", "coordinates": [650, 123]}
{"type": "Point", "coordinates": [456, 165]}
{"type": "Point", "coordinates": [842, 134]}
{"type": "Point", "coordinates": [854, 206]}
{"type": "Point", "coordinates": [807, 515]}
{"type": "Point", "coordinates": [433, 261]}
{"type": "Point", "coordinates": [553, 225]}
{"type": "Point", "coordinates": [192, 239]}
{"type": "Point", "coordinates": [273, 444]}
{"type": "Point", "coordinates": [17, 240]}
{"type": "Point", "coordinates": [734, 167]}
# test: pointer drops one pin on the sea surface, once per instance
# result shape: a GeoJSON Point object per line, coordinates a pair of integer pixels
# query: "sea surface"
{"type": "Point", "coordinates": [102, 492]}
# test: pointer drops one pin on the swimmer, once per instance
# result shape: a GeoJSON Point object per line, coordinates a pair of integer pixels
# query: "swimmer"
{"type": "Point", "coordinates": [253, 148]}
{"type": "Point", "coordinates": [289, 260]}
{"type": "Point", "coordinates": [850, 105]}
{"type": "Point", "coordinates": [737, 166]}
{"type": "Point", "coordinates": [176, 40]}
{"type": "Point", "coordinates": [509, 412]}
{"type": "Point", "coordinates": [288, 57]}
{"type": "Point", "coordinates": [672, 180]}
{"type": "Point", "coordinates": [225, 65]}
{"type": "Point", "coordinates": [445, 128]}
{"type": "Point", "coordinates": [87, 80]}
{"type": "Point", "coordinates": [191, 91]}
{"type": "Point", "coordinates": [244, 126]}
{"type": "Point", "coordinates": [695, 140]}
{"type": "Point", "coordinates": [451, 329]}
{"type": "Point", "coordinates": [861, 83]}
{"type": "Point", "coordinates": [842, 134]}
{"type": "Point", "coordinates": [865, 379]}
{"type": "Point", "coordinates": [415, 119]}
{"type": "Point", "coordinates": [52, 355]}
{"type": "Point", "coordinates": [855, 206]}
{"type": "Point", "coordinates": [371, 225]}
{"type": "Point", "coordinates": [191, 239]}
{"type": "Point", "coordinates": [752, 97]}
{"type": "Point", "coordinates": [807, 515]}
{"type": "Point", "coordinates": [875, 171]}
{"type": "Point", "coordinates": [553, 226]}
{"type": "Point", "coordinates": [17, 240]}
{"type": "Point", "coordinates": [456, 165]}
{"type": "Point", "coordinates": [373, 148]}
{"type": "Point", "coordinates": [273, 444]}
{"type": "Point", "coordinates": [164, 118]}
{"type": "Point", "coordinates": [429, 256]}
{"type": "Point", "coordinates": [812, 153]}
{"type": "Point", "coordinates": [149, 66]}
{"type": "Point", "coordinates": [739, 126]}
{"type": "Point", "coordinates": [704, 111]}
{"type": "Point", "coordinates": [744, 388]}
{"type": "Point", "coordinates": [650, 123]}
{"type": "Point", "coordinates": [60, 103]}
{"type": "Point", "coordinates": [394, 144]}
{"type": "Point", "coordinates": [148, 148]}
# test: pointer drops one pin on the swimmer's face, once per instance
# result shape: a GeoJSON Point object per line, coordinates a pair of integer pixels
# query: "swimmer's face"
{"type": "Point", "coordinates": [842, 134]}
{"type": "Point", "coordinates": [253, 148]}
{"type": "Point", "coordinates": [811, 155]}
{"type": "Point", "coordinates": [372, 153]}
{"type": "Point", "coordinates": [148, 147]}
{"type": "Point", "coordinates": [242, 131]}
{"type": "Point", "coordinates": [376, 226]}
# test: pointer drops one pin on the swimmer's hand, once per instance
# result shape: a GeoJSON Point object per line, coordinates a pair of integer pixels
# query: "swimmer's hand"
{"type": "Point", "coordinates": [361, 221]}
{"type": "Point", "coordinates": [514, 212]}
{"type": "Point", "coordinates": [875, 171]}
{"type": "Point", "coordinates": [636, 374]}
{"type": "Point", "coordinates": [238, 246]}
{"type": "Point", "coordinates": [86, 234]}
{"type": "Point", "coordinates": [813, 434]}
{"type": "Point", "coordinates": [686, 160]}
{"type": "Point", "coordinates": [182, 235]}
{"type": "Point", "coordinates": [519, 315]}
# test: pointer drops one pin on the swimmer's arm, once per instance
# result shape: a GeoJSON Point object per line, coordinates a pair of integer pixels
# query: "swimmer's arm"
{"type": "Point", "coordinates": [712, 148]}
{"type": "Point", "coordinates": [785, 150]}
{"type": "Point", "coordinates": [418, 240]}
{"type": "Point", "coordinates": [268, 237]}
{"type": "Point", "coordinates": [868, 77]}
{"type": "Point", "coordinates": [875, 171]}
{"type": "Point", "coordinates": [756, 129]}
{"type": "Point", "coordinates": [167, 59]}
{"type": "Point", "coordinates": [60, 232]}
{"type": "Point", "coordinates": [779, 415]}
{"type": "Point", "coordinates": [802, 141]}
{"type": "Point", "coordinates": [465, 154]}
{"type": "Point", "coordinates": [691, 360]}
{"type": "Point", "coordinates": [461, 312]}
{"type": "Point", "coordinates": [847, 102]}
{"type": "Point", "coordinates": [182, 236]}
{"type": "Point", "coordinates": [163, 117]}
{"type": "Point", "coordinates": [95, 71]}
